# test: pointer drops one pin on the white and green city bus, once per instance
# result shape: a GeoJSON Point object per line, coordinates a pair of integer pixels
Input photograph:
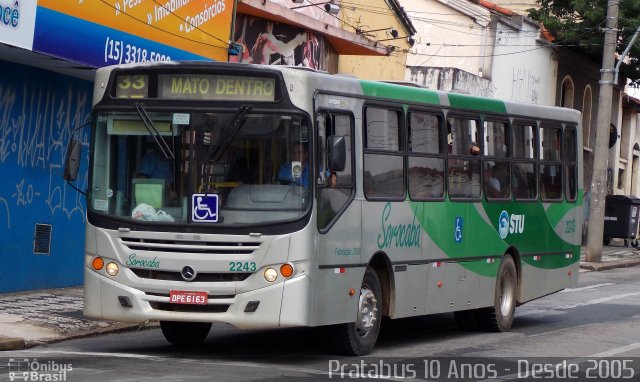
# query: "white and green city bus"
{"type": "Point", "coordinates": [397, 216]}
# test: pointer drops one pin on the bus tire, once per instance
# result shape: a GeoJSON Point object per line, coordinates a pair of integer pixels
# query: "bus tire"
{"type": "Point", "coordinates": [358, 338]}
{"type": "Point", "coordinates": [185, 334]}
{"type": "Point", "coordinates": [499, 317]}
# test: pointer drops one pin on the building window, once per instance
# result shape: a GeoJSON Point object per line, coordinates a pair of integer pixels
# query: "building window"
{"type": "Point", "coordinates": [566, 98]}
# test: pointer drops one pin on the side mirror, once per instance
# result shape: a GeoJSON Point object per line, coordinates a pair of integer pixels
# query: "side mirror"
{"type": "Point", "coordinates": [72, 161]}
{"type": "Point", "coordinates": [337, 151]}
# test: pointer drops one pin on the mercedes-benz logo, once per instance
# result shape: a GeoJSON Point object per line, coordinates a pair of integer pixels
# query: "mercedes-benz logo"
{"type": "Point", "coordinates": [188, 273]}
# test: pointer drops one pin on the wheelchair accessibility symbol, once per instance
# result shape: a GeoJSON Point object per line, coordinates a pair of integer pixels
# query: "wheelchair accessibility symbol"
{"type": "Point", "coordinates": [204, 208]}
{"type": "Point", "coordinates": [457, 234]}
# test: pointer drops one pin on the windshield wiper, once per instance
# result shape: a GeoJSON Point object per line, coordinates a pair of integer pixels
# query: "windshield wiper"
{"type": "Point", "coordinates": [215, 152]}
{"type": "Point", "coordinates": [148, 123]}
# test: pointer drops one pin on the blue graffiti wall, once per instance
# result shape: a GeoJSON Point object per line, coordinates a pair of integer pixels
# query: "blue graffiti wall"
{"type": "Point", "coordinates": [38, 111]}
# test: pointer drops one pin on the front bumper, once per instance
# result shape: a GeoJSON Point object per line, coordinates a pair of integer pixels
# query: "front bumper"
{"type": "Point", "coordinates": [282, 304]}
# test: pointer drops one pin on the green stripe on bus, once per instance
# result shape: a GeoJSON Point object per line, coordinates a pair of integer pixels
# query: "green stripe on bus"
{"type": "Point", "coordinates": [399, 92]}
{"type": "Point", "coordinates": [476, 103]}
{"type": "Point", "coordinates": [481, 239]}
{"type": "Point", "coordinates": [557, 211]}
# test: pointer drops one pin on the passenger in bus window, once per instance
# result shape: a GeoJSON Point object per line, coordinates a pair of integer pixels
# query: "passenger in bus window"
{"type": "Point", "coordinates": [497, 182]}
{"type": "Point", "coordinates": [474, 149]}
{"type": "Point", "coordinates": [491, 182]}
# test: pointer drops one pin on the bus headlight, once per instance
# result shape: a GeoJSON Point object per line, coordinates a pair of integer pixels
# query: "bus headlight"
{"type": "Point", "coordinates": [112, 269]}
{"type": "Point", "coordinates": [270, 275]}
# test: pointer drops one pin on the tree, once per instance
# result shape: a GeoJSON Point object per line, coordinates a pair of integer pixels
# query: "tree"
{"type": "Point", "coordinates": [580, 24]}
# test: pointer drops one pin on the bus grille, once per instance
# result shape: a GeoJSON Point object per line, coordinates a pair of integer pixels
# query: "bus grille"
{"type": "Point", "coordinates": [200, 277]}
{"type": "Point", "coordinates": [187, 246]}
{"type": "Point", "coordinates": [188, 308]}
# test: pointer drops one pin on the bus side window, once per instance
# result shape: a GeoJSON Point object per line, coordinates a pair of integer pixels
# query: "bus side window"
{"type": "Point", "coordinates": [525, 185]}
{"type": "Point", "coordinates": [570, 158]}
{"type": "Point", "coordinates": [426, 162]}
{"type": "Point", "coordinates": [497, 170]}
{"type": "Point", "coordinates": [464, 164]}
{"type": "Point", "coordinates": [550, 168]}
{"type": "Point", "coordinates": [383, 154]}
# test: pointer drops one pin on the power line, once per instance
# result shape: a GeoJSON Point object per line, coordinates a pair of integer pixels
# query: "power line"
{"type": "Point", "coordinates": [433, 55]}
{"type": "Point", "coordinates": [197, 27]}
{"type": "Point", "coordinates": [558, 43]}
{"type": "Point", "coordinates": [492, 55]}
{"type": "Point", "coordinates": [166, 31]}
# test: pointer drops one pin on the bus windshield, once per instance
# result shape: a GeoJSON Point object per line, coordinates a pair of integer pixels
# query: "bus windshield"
{"type": "Point", "coordinates": [149, 166]}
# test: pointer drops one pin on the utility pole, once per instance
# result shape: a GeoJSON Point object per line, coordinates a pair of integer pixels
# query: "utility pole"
{"type": "Point", "coordinates": [600, 151]}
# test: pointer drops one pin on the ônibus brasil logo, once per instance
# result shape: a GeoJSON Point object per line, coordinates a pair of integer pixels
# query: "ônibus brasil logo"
{"type": "Point", "coordinates": [510, 224]}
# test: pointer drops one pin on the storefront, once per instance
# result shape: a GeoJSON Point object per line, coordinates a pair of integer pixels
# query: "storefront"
{"type": "Point", "coordinates": [49, 50]}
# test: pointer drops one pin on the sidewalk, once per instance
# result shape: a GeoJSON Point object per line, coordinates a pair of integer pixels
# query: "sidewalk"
{"type": "Point", "coordinates": [39, 317]}
{"type": "Point", "coordinates": [615, 255]}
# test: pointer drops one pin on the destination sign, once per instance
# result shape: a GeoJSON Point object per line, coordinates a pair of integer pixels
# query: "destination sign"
{"type": "Point", "coordinates": [216, 87]}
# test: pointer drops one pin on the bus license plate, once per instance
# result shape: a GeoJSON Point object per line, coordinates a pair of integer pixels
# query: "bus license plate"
{"type": "Point", "coordinates": [188, 297]}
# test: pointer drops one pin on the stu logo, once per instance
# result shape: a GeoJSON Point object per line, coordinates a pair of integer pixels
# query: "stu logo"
{"type": "Point", "coordinates": [517, 224]}
{"type": "Point", "coordinates": [510, 224]}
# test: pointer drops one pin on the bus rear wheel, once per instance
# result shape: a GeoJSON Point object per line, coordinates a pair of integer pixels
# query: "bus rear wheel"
{"type": "Point", "coordinates": [499, 317]}
{"type": "Point", "coordinates": [359, 337]}
{"type": "Point", "coordinates": [185, 334]}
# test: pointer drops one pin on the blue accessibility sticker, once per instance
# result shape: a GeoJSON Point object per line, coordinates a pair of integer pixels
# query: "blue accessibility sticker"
{"type": "Point", "coordinates": [204, 208]}
{"type": "Point", "coordinates": [457, 234]}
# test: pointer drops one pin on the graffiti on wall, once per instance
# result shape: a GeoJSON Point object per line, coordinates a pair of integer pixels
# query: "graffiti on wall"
{"type": "Point", "coordinates": [36, 122]}
{"type": "Point", "coordinates": [525, 86]}
{"type": "Point", "coordinates": [450, 80]}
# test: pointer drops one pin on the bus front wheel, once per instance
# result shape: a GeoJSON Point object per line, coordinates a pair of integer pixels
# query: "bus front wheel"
{"type": "Point", "coordinates": [499, 317]}
{"type": "Point", "coordinates": [359, 337]}
{"type": "Point", "coordinates": [185, 333]}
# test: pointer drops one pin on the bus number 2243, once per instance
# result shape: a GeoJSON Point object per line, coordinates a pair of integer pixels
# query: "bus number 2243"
{"type": "Point", "coordinates": [239, 266]}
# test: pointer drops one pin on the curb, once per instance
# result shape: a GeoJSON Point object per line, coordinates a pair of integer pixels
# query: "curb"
{"type": "Point", "coordinates": [12, 343]}
{"type": "Point", "coordinates": [9, 343]}
{"type": "Point", "coordinates": [609, 265]}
